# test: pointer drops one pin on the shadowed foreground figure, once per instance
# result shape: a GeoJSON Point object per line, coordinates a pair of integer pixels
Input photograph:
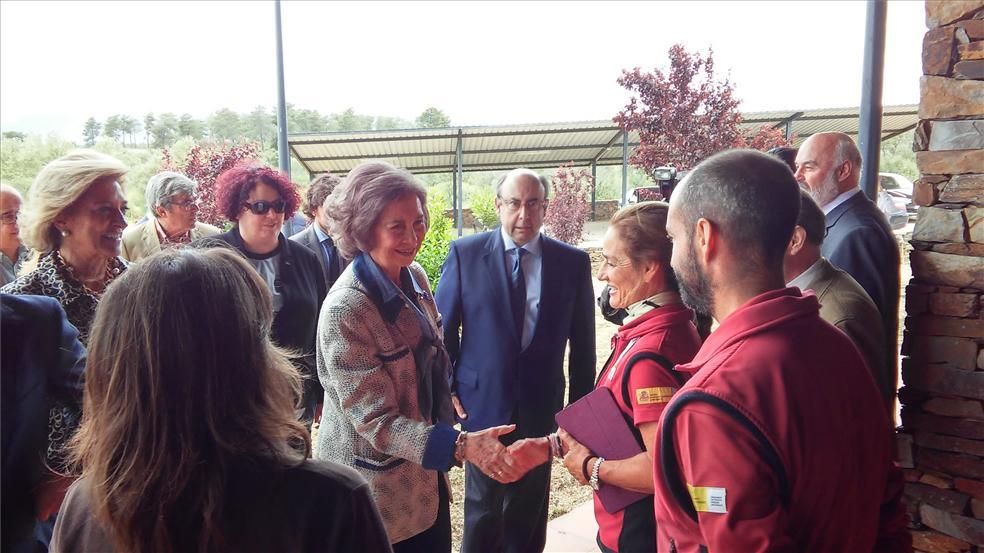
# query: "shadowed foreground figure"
{"type": "Point", "coordinates": [189, 440]}
{"type": "Point", "coordinates": [779, 441]}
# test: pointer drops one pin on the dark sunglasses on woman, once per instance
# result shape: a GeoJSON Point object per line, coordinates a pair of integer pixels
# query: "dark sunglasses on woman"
{"type": "Point", "coordinates": [262, 207]}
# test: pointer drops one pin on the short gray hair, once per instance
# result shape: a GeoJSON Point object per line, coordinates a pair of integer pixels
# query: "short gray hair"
{"type": "Point", "coordinates": [356, 203]}
{"type": "Point", "coordinates": [544, 181]}
{"type": "Point", "coordinates": [165, 185]}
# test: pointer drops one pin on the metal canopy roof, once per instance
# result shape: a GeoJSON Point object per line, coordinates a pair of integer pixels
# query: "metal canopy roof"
{"type": "Point", "coordinates": [540, 145]}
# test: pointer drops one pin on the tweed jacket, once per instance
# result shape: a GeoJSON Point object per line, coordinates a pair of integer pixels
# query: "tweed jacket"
{"type": "Point", "coordinates": [375, 417]}
{"type": "Point", "coordinates": [844, 304]}
{"type": "Point", "coordinates": [141, 240]}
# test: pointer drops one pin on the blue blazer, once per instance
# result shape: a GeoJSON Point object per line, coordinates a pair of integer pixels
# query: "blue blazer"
{"type": "Point", "coordinates": [860, 242]}
{"type": "Point", "coordinates": [496, 382]}
{"type": "Point", "coordinates": [41, 360]}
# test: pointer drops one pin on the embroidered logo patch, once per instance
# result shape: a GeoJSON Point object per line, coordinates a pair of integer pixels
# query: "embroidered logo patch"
{"type": "Point", "coordinates": [709, 500]}
{"type": "Point", "coordinates": [647, 396]}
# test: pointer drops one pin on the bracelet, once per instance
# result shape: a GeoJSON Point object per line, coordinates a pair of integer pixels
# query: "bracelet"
{"type": "Point", "coordinates": [593, 482]}
{"type": "Point", "coordinates": [459, 446]}
{"type": "Point", "coordinates": [584, 467]}
{"type": "Point", "coordinates": [552, 441]}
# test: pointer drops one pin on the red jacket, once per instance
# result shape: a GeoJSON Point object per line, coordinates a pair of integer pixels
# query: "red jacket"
{"type": "Point", "coordinates": [667, 333]}
{"type": "Point", "coordinates": [779, 442]}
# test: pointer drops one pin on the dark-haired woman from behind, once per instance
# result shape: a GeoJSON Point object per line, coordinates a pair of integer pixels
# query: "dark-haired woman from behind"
{"type": "Point", "coordinates": [189, 440]}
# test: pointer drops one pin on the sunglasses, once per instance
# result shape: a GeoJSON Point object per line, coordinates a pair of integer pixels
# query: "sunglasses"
{"type": "Point", "coordinates": [262, 207]}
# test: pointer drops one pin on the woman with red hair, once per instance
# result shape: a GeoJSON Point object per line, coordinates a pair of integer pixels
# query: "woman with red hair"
{"type": "Point", "coordinates": [257, 199]}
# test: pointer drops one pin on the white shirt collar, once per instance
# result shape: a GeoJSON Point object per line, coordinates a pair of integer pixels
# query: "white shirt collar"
{"type": "Point", "coordinates": [841, 198]}
{"type": "Point", "coordinates": [533, 246]}
{"type": "Point", "coordinates": [807, 276]}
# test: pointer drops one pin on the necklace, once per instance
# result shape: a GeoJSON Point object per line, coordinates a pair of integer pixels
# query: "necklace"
{"type": "Point", "coordinates": [110, 273]}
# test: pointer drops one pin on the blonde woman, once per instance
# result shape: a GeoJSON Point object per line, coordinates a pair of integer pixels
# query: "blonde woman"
{"type": "Point", "coordinates": [73, 220]}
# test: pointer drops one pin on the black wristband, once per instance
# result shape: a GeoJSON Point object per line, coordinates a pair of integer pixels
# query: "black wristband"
{"type": "Point", "coordinates": [584, 467]}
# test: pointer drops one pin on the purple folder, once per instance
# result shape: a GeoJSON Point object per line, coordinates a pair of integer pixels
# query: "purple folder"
{"type": "Point", "coordinates": [596, 421]}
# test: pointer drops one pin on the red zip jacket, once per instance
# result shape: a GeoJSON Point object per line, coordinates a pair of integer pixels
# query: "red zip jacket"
{"type": "Point", "coordinates": [668, 334]}
{"type": "Point", "coordinates": [779, 442]}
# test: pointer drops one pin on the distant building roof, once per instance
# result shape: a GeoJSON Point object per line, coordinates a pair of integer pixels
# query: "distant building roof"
{"type": "Point", "coordinates": [542, 145]}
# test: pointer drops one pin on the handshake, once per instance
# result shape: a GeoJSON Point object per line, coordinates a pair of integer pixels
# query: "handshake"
{"type": "Point", "coordinates": [508, 464]}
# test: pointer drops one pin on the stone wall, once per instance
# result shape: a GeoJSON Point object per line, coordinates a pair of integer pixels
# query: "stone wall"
{"type": "Point", "coordinates": [941, 442]}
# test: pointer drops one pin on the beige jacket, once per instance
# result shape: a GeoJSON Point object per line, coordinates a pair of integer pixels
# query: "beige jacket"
{"type": "Point", "coordinates": [140, 241]}
{"type": "Point", "coordinates": [844, 304]}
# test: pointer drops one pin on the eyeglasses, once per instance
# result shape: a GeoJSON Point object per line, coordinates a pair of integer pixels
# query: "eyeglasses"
{"type": "Point", "coordinates": [262, 207]}
{"type": "Point", "coordinates": [187, 204]}
{"type": "Point", "coordinates": [514, 205]}
{"type": "Point", "coordinates": [10, 218]}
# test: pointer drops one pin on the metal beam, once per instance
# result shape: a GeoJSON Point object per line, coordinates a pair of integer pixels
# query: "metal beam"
{"type": "Point", "coordinates": [477, 152]}
{"type": "Point", "coordinates": [607, 146]}
{"type": "Point", "coordinates": [484, 134]}
{"type": "Point", "coordinates": [869, 128]}
{"type": "Point", "coordinates": [494, 166]}
{"type": "Point", "coordinates": [594, 188]}
{"type": "Point", "coordinates": [461, 189]}
{"type": "Point", "coordinates": [892, 134]}
{"type": "Point", "coordinates": [283, 158]}
{"type": "Point", "coordinates": [625, 166]}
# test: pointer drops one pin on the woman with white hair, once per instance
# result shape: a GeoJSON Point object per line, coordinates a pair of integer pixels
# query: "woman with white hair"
{"type": "Point", "coordinates": [172, 204]}
{"type": "Point", "coordinates": [74, 221]}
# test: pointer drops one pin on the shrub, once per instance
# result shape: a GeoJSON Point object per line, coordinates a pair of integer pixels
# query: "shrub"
{"type": "Point", "coordinates": [437, 243]}
{"type": "Point", "coordinates": [203, 164]}
{"type": "Point", "coordinates": [570, 205]}
{"type": "Point", "coordinates": [482, 203]}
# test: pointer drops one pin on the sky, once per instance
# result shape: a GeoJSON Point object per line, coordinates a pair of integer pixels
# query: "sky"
{"type": "Point", "coordinates": [482, 63]}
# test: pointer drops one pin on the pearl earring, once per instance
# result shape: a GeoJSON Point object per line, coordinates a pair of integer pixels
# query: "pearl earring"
{"type": "Point", "coordinates": [65, 233]}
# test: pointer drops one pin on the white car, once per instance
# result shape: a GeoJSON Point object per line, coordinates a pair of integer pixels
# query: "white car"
{"type": "Point", "coordinates": [898, 186]}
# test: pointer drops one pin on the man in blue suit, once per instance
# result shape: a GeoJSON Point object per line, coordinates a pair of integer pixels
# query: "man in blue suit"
{"type": "Point", "coordinates": [859, 240]}
{"type": "Point", "coordinates": [511, 300]}
{"type": "Point", "coordinates": [41, 360]}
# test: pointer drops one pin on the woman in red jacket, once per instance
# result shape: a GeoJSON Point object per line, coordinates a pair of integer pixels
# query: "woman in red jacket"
{"type": "Point", "coordinates": [657, 333]}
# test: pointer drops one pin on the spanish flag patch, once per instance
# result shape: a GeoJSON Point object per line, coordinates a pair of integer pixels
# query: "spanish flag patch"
{"type": "Point", "coordinates": [649, 396]}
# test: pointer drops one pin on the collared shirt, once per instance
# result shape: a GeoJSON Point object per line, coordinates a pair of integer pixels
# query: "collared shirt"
{"type": "Point", "coordinates": [332, 262]}
{"type": "Point", "coordinates": [807, 276]}
{"type": "Point", "coordinates": [10, 267]}
{"type": "Point", "coordinates": [644, 306]}
{"type": "Point", "coordinates": [532, 275]}
{"type": "Point", "coordinates": [841, 198]}
{"type": "Point", "coordinates": [170, 241]}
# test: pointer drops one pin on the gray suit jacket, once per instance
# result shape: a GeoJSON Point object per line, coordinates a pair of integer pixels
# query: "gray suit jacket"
{"type": "Point", "coordinates": [140, 240]}
{"type": "Point", "coordinates": [844, 304]}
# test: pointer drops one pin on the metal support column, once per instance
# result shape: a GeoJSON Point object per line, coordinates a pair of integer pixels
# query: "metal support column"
{"type": "Point", "coordinates": [594, 188]}
{"type": "Point", "coordinates": [454, 196]}
{"type": "Point", "coordinates": [461, 201]}
{"type": "Point", "coordinates": [625, 167]}
{"type": "Point", "coordinates": [869, 130]}
{"type": "Point", "coordinates": [283, 156]}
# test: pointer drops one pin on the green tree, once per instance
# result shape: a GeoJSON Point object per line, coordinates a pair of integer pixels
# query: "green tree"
{"type": "Point", "coordinates": [189, 126]}
{"type": "Point", "coordinates": [14, 135]}
{"type": "Point", "coordinates": [259, 127]}
{"type": "Point", "coordinates": [304, 120]}
{"type": "Point", "coordinates": [384, 123]}
{"type": "Point", "coordinates": [128, 126]}
{"type": "Point", "coordinates": [224, 124]}
{"type": "Point", "coordinates": [165, 130]}
{"type": "Point", "coordinates": [148, 123]}
{"type": "Point", "coordinates": [897, 156]}
{"type": "Point", "coordinates": [348, 120]}
{"type": "Point", "coordinates": [433, 118]}
{"type": "Point", "coordinates": [113, 127]}
{"type": "Point", "coordinates": [20, 160]}
{"type": "Point", "coordinates": [91, 131]}
{"type": "Point", "coordinates": [482, 204]}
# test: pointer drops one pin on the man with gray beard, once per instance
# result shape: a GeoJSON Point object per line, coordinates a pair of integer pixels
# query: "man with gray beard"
{"type": "Point", "coordinates": [859, 240]}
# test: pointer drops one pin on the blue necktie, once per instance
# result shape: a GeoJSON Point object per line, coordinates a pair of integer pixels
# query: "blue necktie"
{"type": "Point", "coordinates": [517, 292]}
